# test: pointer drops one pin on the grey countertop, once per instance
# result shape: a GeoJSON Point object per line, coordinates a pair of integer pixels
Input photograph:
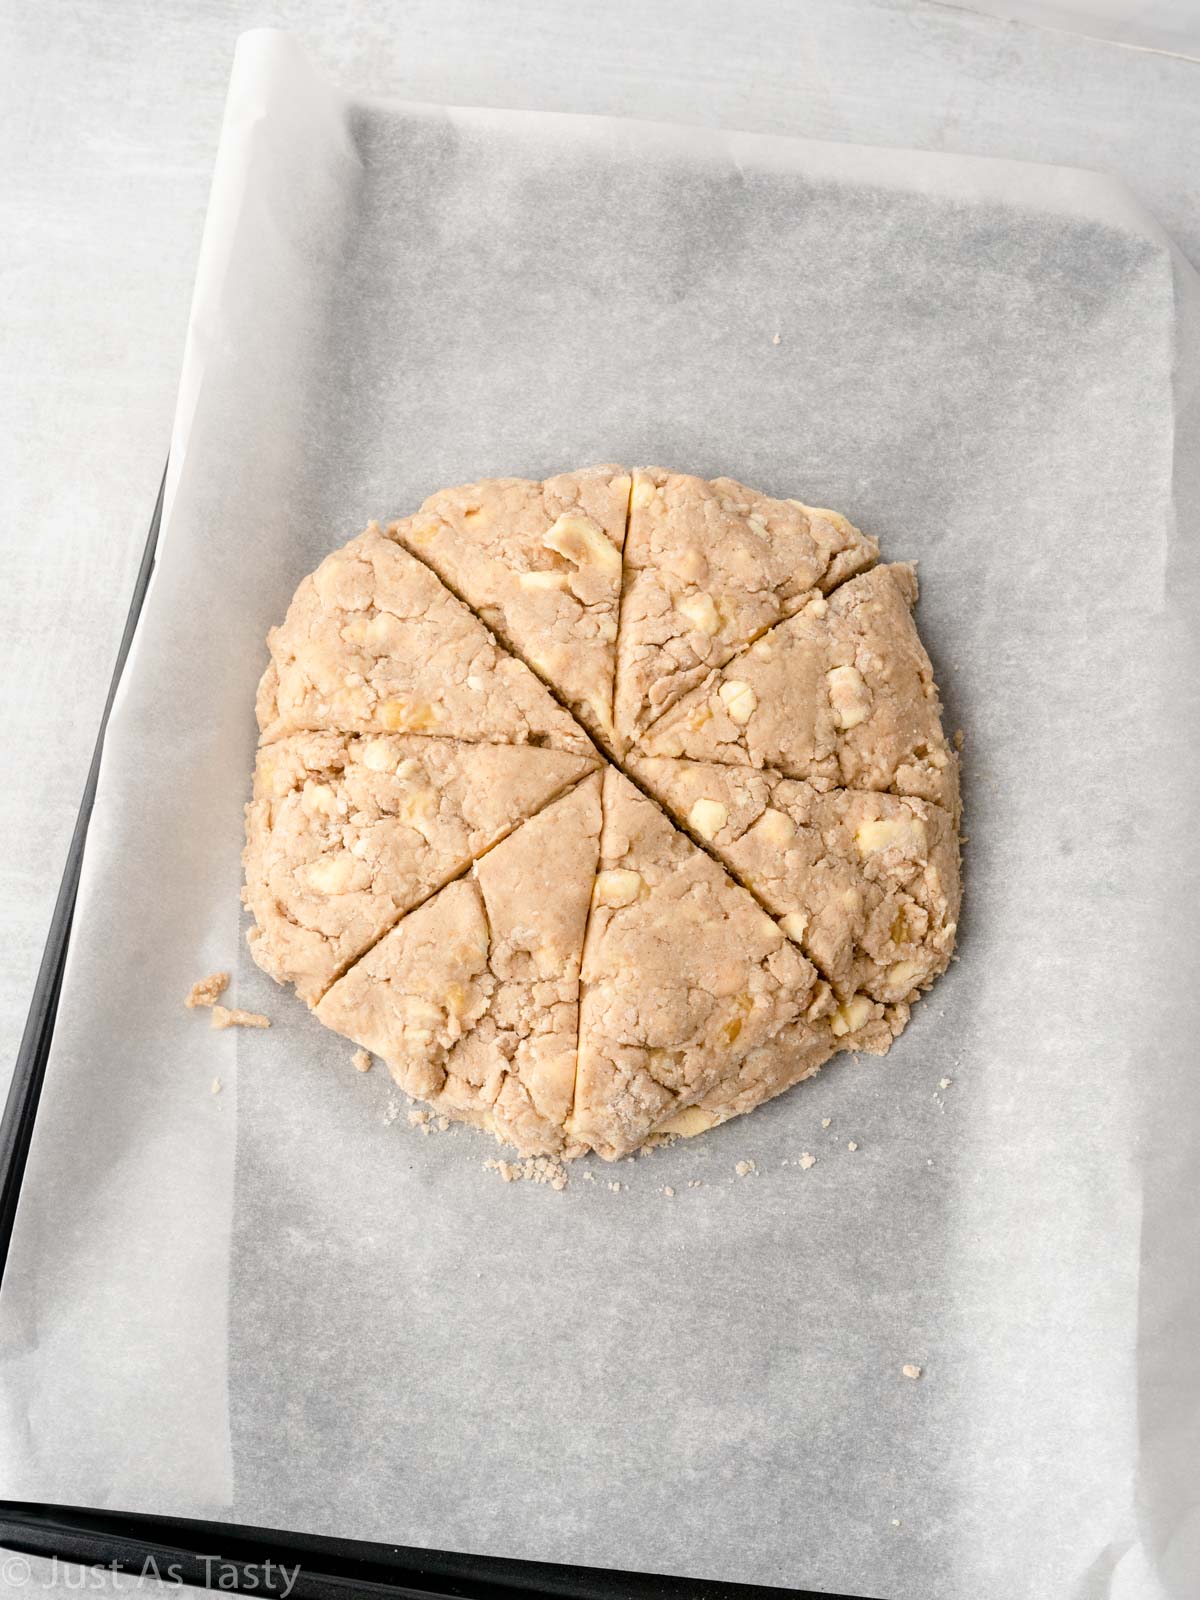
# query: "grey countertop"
{"type": "Point", "coordinates": [109, 119]}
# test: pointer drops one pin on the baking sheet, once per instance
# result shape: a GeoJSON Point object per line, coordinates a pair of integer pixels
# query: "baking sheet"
{"type": "Point", "coordinates": [284, 1305]}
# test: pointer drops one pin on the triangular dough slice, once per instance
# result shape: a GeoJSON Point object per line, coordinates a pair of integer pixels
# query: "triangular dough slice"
{"type": "Point", "coordinates": [842, 694]}
{"type": "Point", "coordinates": [473, 999]}
{"type": "Point", "coordinates": [708, 567]}
{"type": "Point", "coordinates": [345, 833]}
{"type": "Point", "coordinates": [374, 642]}
{"type": "Point", "coordinates": [683, 975]}
{"type": "Point", "coordinates": [541, 564]}
{"type": "Point", "coordinates": [867, 884]}
{"type": "Point", "coordinates": [795, 1053]}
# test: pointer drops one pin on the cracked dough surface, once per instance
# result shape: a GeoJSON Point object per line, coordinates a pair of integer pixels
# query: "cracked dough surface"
{"type": "Point", "coordinates": [604, 807]}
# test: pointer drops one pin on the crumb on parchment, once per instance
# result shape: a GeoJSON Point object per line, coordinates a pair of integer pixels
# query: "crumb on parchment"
{"type": "Point", "coordinates": [207, 991]}
{"type": "Point", "coordinates": [910, 1370]}
{"type": "Point", "coordinates": [362, 1060]}
{"type": "Point", "coordinates": [745, 1168]}
{"type": "Point", "coordinates": [233, 1017]}
{"type": "Point", "coordinates": [806, 1161]}
{"type": "Point", "coordinates": [532, 1169]}
{"type": "Point", "coordinates": [851, 1144]}
{"type": "Point", "coordinates": [216, 1086]}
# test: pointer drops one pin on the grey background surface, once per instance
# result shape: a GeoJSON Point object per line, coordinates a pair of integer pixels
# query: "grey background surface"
{"type": "Point", "coordinates": [109, 117]}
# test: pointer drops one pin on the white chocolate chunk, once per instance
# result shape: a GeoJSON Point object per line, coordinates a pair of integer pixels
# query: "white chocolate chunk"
{"type": "Point", "coordinates": [851, 1016]}
{"type": "Point", "coordinates": [794, 925]}
{"type": "Point", "coordinates": [542, 580]}
{"type": "Point", "coordinates": [618, 887]}
{"type": "Point", "coordinates": [775, 828]}
{"type": "Point", "coordinates": [336, 875]}
{"type": "Point", "coordinates": [849, 696]}
{"type": "Point", "coordinates": [906, 833]}
{"type": "Point", "coordinates": [378, 755]}
{"type": "Point", "coordinates": [687, 1123]}
{"type": "Point", "coordinates": [583, 542]}
{"type": "Point", "coordinates": [700, 612]}
{"type": "Point", "coordinates": [739, 700]}
{"type": "Point", "coordinates": [903, 974]}
{"type": "Point", "coordinates": [708, 817]}
{"type": "Point", "coordinates": [319, 800]}
{"type": "Point", "coordinates": [408, 716]}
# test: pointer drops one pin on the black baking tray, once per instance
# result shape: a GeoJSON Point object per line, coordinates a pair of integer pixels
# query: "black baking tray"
{"type": "Point", "coordinates": [225, 1556]}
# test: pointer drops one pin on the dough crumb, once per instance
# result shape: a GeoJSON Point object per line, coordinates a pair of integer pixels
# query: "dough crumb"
{"type": "Point", "coordinates": [207, 991]}
{"type": "Point", "coordinates": [807, 1161]}
{"type": "Point", "coordinates": [362, 1060]}
{"type": "Point", "coordinates": [777, 338]}
{"type": "Point", "coordinates": [695, 1183]}
{"type": "Point", "coordinates": [441, 1124]}
{"type": "Point", "coordinates": [960, 737]}
{"type": "Point", "coordinates": [233, 1017]}
{"type": "Point", "coordinates": [418, 1118]}
{"type": "Point", "coordinates": [910, 1371]}
{"type": "Point", "coordinates": [658, 1141]}
{"type": "Point", "coordinates": [216, 1086]}
{"type": "Point", "coordinates": [533, 1169]}
{"type": "Point", "coordinates": [852, 1144]}
{"type": "Point", "coordinates": [390, 1112]}
{"type": "Point", "coordinates": [745, 1168]}
{"type": "Point", "coordinates": [615, 1187]}
{"type": "Point", "coordinates": [944, 1083]}
{"type": "Point", "coordinates": [895, 1522]}
{"type": "Point", "coordinates": [668, 1191]}
{"type": "Point", "coordinates": [825, 1121]}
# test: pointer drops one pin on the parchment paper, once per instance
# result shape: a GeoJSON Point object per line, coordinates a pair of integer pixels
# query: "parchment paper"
{"type": "Point", "coordinates": [283, 1305]}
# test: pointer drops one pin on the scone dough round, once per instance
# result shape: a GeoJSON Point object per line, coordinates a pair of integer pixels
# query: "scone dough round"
{"type": "Point", "coordinates": [604, 808]}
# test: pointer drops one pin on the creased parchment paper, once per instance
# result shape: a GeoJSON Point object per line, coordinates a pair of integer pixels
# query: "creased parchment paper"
{"type": "Point", "coordinates": [281, 1303]}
